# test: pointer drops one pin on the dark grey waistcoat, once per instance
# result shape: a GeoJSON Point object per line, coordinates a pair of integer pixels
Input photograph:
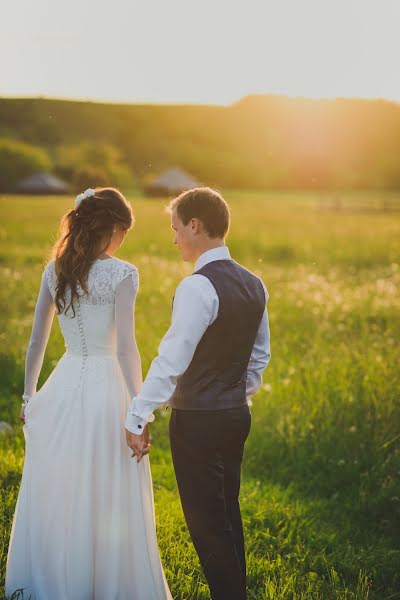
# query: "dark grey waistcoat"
{"type": "Point", "coordinates": [216, 376]}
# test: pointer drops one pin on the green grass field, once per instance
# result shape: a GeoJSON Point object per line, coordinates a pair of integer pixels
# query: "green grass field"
{"type": "Point", "coordinates": [321, 475]}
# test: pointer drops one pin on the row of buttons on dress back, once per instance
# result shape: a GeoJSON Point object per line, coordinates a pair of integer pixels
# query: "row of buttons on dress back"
{"type": "Point", "coordinates": [83, 340]}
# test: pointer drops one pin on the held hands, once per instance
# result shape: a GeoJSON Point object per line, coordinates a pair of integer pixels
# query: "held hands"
{"type": "Point", "coordinates": [139, 444]}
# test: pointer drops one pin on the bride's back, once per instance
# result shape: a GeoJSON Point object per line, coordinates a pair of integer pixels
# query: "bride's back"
{"type": "Point", "coordinates": [91, 330]}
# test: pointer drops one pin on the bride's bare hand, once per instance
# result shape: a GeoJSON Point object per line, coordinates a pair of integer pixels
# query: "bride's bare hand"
{"type": "Point", "coordinates": [22, 414]}
{"type": "Point", "coordinates": [139, 444]}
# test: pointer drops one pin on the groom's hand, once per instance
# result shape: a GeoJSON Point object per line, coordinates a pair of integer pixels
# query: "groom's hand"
{"type": "Point", "coordinates": [139, 444]}
{"type": "Point", "coordinates": [135, 443]}
{"type": "Point", "coordinates": [146, 438]}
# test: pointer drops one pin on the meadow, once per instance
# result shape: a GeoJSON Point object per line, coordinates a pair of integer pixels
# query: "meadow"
{"type": "Point", "coordinates": [321, 474]}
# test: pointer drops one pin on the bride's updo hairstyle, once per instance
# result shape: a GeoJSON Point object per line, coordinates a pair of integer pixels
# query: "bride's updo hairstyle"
{"type": "Point", "coordinates": [83, 230]}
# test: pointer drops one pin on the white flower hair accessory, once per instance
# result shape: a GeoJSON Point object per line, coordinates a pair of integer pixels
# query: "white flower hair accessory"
{"type": "Point", "coordinates": [86, 194]}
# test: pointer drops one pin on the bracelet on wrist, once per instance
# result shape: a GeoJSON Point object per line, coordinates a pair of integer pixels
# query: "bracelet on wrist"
{"type": "Point", "coordinates": [25, 398]}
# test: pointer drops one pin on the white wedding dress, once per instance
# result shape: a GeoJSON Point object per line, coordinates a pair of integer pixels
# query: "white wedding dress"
{"type": "Point", "coordinates": [84, 524]}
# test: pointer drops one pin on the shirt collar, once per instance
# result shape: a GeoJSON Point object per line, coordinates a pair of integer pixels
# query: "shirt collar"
{"type": "Point", "coordinates": [221, 253]}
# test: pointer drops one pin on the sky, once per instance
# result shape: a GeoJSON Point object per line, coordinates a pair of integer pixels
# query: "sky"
{"type": "Point", "coordinates": [203, 51]}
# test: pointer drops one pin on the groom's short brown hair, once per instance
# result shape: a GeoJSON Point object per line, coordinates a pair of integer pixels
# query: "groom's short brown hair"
{"type": "Point", "coordinates": [204, 204]}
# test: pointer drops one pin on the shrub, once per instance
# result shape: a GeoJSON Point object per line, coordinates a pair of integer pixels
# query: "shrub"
{"type": "Point", "coordinates": [93, 164]}
{"type": "Point", "coordinates": [19, 160]}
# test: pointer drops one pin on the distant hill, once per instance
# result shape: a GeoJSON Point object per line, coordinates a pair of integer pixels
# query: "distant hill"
{"type": "Point", "coordinates": [258, 142]}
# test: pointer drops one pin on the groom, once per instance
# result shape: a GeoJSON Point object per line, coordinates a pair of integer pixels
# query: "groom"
{"type": "Point", "coordinates": [209, 362]}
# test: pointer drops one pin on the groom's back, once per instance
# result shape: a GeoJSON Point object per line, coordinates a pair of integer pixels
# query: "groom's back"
{"type": "Point", "coordinates": [216, 376]}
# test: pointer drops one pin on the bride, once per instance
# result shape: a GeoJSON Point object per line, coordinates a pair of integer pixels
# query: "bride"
{"type": "Point", "coordinates": [84, 525]}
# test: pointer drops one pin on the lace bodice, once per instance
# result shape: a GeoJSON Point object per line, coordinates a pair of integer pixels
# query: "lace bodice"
{"type": "Point", "coordinates": [103, 323]}
{"type": "Point", "coordinates": [103, 279]}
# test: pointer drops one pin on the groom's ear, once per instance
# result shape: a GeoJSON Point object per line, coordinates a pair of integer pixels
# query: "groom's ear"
{"type": "Point", "coordinates": [197, 226]}
{"type": "Point", "coordinates": [194, 225]}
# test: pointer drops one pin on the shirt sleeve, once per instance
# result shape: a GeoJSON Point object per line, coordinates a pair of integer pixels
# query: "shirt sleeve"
{"type": "Point", "coordinates": [195, 307]}
{"type": "Point", "coordinates": [42, 322]}
{"type": "Point", "coordinates": [127, 350]}
{"type": "Point", "coordinates": [259, 359]}
{"type": "Point", "coordinates": [260, 356]}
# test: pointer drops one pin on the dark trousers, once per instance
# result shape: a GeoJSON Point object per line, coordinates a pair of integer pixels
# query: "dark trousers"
{"type": "Point", "coordinates": [207, 450]}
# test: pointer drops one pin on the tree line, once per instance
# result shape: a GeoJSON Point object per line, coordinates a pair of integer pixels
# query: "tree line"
{"type": "Point", "coordinates": [260, 142]}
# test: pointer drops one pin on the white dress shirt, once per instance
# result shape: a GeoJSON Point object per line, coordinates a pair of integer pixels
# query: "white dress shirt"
{"type": "Point", "coordinates": [195, 308]}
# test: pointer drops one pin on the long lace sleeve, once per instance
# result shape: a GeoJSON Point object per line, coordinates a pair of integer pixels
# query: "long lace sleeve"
{"type": "Point", "coordinates": [42, 321]}
{"type": "Point", "coordinates": [127, 350]}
